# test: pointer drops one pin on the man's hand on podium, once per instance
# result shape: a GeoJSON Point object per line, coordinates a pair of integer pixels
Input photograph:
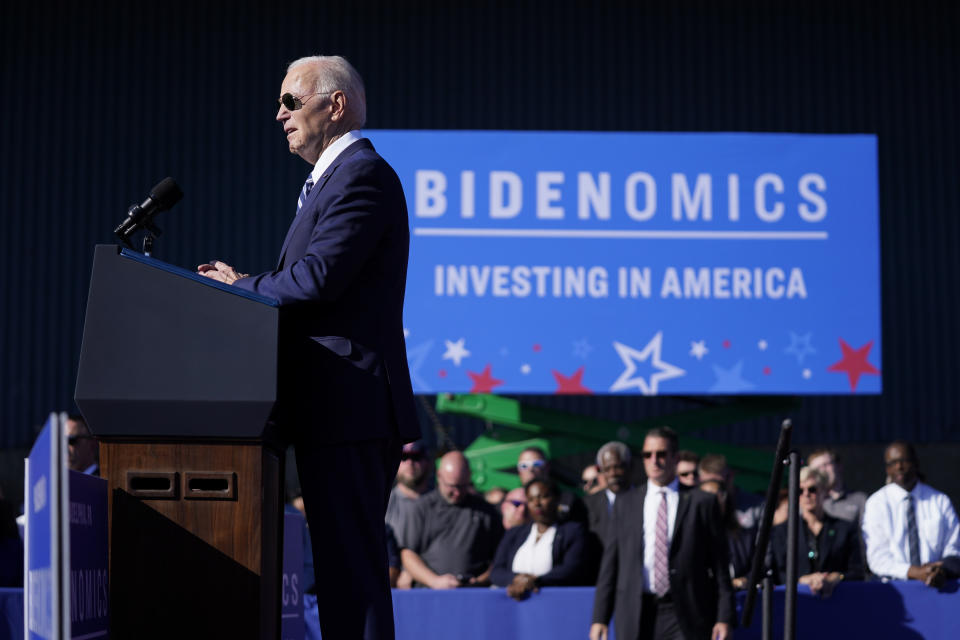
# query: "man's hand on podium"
{"type": "Point", "coordinates": [216, 270]}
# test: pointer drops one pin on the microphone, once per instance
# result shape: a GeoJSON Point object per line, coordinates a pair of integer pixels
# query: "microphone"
{"type": "Point", "coordinates": [162, 197]}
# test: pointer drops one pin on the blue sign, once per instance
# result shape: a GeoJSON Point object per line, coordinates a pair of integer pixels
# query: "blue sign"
{"type": "Point", "coordinates": [292, 586]}
{"type": "Point", "coordinates": [652, 263]}
{"type": "Point", "coordinates": [42, 506]}
{"type": "Point", "coordinates": [88, 559]}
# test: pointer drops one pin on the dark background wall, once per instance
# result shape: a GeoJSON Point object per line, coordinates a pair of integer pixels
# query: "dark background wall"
{"type": "Point", "coordinates": [102, 99]}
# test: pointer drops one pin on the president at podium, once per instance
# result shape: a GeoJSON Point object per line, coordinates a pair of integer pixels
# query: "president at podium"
{"type": "Point", "coordinates": [342, 271]}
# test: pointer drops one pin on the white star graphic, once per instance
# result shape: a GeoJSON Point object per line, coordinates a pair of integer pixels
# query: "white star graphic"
{"type": "Point", "coordinates": [651, 352]}
{"type": "Point", "coordinates": [525, 368]}
{"type": "Point", "coordinates": [406, 332]}
{"type": "Point", "coordinates": [762, 345]}
{"type": "Point", "coordinates": [699, 349]}
{"type": "Point", "coordinates": [455, 351]}
{"type": "Point", "coordinates": [807, 374]}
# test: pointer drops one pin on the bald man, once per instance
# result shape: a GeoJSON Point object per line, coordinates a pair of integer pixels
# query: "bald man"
{"type": "Point", "coordinates": [453, 534]}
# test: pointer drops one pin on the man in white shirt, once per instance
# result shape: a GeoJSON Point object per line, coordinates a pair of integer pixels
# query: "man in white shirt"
{"type": "Point", "coordinates": [908, 526]}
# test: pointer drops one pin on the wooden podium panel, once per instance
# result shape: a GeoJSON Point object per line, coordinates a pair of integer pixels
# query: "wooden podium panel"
{"type": "Point", "coordinates": [195, 538]}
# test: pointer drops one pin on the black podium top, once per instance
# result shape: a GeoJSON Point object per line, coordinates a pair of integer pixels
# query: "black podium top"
{"type": "Point", "coordinates": [170, 354]}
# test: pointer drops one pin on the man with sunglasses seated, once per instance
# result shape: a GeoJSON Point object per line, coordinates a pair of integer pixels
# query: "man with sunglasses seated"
{"type": "Point", "coordinates": [347, 403]}
{"type": "Point", "coordinates": [532, 464]}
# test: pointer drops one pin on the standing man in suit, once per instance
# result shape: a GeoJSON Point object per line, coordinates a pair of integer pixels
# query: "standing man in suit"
{"type": "Point", "coordinates": [664, 572]}
{"type": "Point", "coordinates": [347, 400]}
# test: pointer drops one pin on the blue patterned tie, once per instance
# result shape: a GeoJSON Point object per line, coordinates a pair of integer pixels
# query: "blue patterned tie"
{"type": "Point", "coordinates": [913, 537]}
{"type": "Point", "coordinates": [305, 192]}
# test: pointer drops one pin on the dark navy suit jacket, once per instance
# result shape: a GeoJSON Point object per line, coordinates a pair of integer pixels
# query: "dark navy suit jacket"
{"type": "Point", "coordinates": [569, 555]}
{"type": "Point", "coordinates": [340, 279]}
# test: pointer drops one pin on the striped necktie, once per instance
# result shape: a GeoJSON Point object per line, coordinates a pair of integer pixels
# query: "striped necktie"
{"type": "Point", "coordinates": [661, 558]}
{"type": "Point", "coordinates": [305, 192]}
{"type": "Point", "coordinates": [913, 536]}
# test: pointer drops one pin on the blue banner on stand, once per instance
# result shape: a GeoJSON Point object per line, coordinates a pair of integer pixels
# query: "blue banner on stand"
{"type": "Point", "coordinates": [291, 597]}
{"type": "Point", "coordinates": [42, 506]}
{"type": "Point", "coordinates": [653, 263]}
{"type": "Point", "coordinates": [89, 588]}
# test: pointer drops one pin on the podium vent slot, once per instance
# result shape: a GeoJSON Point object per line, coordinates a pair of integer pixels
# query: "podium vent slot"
{"type": "Point", "coordinates": [209, 484]}
{"type": "Point", "coordinates": [218, 485]}
{"type": "Point", "coordinates": [152, 484]}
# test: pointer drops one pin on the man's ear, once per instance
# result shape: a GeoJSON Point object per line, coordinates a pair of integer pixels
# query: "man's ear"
{"type": "Point", "coordinates": [339, 109]}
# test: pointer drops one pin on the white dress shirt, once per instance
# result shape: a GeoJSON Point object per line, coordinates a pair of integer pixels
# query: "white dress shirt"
{"type": "Point", "coordinates": [651, 504]}
{"type": "Point", "coordinates": [535, 556]}
{"type": "Point", "coordinates": [885, 528]}
{"type": "Point", "coordinates": [330, 153]}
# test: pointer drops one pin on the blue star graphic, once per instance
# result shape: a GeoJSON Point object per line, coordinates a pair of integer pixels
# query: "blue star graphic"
{"type": "Point", "coordinates": [582, 349]}
{"type": "Point", "coordinates": [730, 380]}
{"type": "Point", "coordinates": [800, 346]}
{"type": "Point", "coordinates": [415, 357]}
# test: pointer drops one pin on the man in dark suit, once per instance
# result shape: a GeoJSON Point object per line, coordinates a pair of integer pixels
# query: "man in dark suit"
{"type": "Point", "coordinates": [348, 404]}
{"type": "Point", "coordinates": [664, 571]}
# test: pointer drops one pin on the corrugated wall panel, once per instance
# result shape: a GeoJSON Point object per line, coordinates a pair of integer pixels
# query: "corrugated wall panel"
{"type": "Point", "coordinates": [100, 100]}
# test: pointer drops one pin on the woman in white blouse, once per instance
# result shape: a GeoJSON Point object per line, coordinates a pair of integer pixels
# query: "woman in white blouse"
{"type": "Point", "coordinates": [545, 552]}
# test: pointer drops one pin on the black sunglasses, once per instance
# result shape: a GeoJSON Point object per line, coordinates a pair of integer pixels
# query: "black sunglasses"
{"type": "Point", "coordinates": [292, 102]}
{"type": "Point", "coordinates": [73, 440]}
{"type": "Point", "coordinates": [416, 457]}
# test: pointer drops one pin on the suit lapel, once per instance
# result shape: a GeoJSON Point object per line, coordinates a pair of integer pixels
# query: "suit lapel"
{"type": "Point", "coordinates": [683, 506]}
{"type": "Point", "coordinates": [321, 183]}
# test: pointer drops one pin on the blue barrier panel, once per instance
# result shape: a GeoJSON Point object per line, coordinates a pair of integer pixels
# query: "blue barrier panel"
{"type": "Point", "coordinates": [707, 263]}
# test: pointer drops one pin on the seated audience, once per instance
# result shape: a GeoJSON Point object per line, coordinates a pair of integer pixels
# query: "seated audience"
{"type": "Point", "coordinates": [532, 463]}
{"type": "Point", "coordinates": [83, 450]}
{"type": "Point", "coordinates": [783, 507]}
{"type": "Point", "coordinates": [839, 503]}
{"type": "Point", "coordinates": [739, 540]}
{"type": "Point", "coordinates": [544, 553]}
{"type": "Point", "coordinates": [452, 535]}
{"type": "Point", "coordinates": [592, 480]}
{"type": "Point", "coordinates": [908, 526]}
{"type": "Point", "coordinates": [414, 479]}
{"type": "Point", "coordinates": [495, 495]}
{"type": "Point", "coordinates": [687, 468]}
{"type": "Point", "coordinates": [749, 506]}
{"type": "Point", "coordinates": [393, 557]}
{"type": "Point", "coordinates": [828, 549]}
{"type": "Point", "coordinates": [514, 509]}
{"type": "Point", "coordinates": [11, 547]}
{"type": "Point", "coordinates": [614, 461]}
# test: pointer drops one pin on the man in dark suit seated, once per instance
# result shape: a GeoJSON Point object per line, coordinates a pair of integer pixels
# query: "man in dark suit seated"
{"type": "Point", "coordinates": [664, 572]}
{"type": "Point", "coordinates": [347, 401]}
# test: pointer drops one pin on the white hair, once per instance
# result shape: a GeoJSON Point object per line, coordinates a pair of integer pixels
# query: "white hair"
{"type": "Point", "coordinates": [619, 449]}
{"type": "Point", "coordinates": [334, 73]}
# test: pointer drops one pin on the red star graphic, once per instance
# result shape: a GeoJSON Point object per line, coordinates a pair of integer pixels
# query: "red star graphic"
{"type": "Point", "coordinates": [483, 382]}
{"type": "Point", "coordinates": [766, 371]}
{"type": "Point", "coordinates": [442, 373]}
{"type": "Point", "coordinates": [726, 344]}
{"type": "Point", "coordinates": [537, 348]}
{"type": "Point", "coordinates": [572, 384]}
{"type": "Point", "coordinates": [854, 363]}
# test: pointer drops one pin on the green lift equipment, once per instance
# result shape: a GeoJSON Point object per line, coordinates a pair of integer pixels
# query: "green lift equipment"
{"type": "Point", "coordinates": [514, 426]}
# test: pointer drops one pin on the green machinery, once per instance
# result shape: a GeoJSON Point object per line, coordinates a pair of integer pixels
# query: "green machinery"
{"type": "Point", "coordinates": [514, 426]}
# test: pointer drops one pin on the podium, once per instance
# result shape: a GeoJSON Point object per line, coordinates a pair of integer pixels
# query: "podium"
{"type": "Point", "coordinates": [180, 380]}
